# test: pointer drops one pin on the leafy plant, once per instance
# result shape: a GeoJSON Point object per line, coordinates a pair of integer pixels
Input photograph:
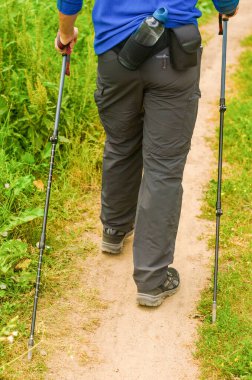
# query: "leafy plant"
{"type": "Point", "coordinates": [29, 79]}
{"type": "Point", "coordinates": [12, 252]}
{"type": "Point", "coordinates": [24, 217]}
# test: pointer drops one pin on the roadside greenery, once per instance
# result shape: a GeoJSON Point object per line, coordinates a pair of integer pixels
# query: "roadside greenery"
{"type": "Point", "coordinates": [225, 348]}
{"type": "Point", "coordinates": [29, 78]}
{"type": "Point", "coordinates": [207, 9]}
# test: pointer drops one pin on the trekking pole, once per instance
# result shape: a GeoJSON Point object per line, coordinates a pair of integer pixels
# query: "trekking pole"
{"type": "Point", "coordinates": [42, 246]}
{"type": "Point", "coordinates": [223, 31]}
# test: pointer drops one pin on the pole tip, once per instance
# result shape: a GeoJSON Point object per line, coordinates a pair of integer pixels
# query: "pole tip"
{"type": "Point", "coordinates": [30, 355]}
{"type": "Point", "coordinates": [214, 312]}
{"type": "Point", "coordinates": [30, 347]}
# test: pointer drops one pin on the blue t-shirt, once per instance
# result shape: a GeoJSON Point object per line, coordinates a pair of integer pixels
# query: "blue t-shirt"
{"type": "Point", "coordinates": [115, 20]}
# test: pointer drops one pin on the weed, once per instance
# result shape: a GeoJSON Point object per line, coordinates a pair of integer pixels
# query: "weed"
{"type": "Point", "coordinates": [207, 9]}
{"type": "Point", "coordinates": [29, 77]}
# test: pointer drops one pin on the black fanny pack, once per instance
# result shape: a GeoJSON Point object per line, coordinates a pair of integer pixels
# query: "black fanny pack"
{"type": "Point", "coordinates": [183, 41]}
{"type": "Point", "coordinates": [184, 45]}
{"type": "Point", "coordinates": [135, 54]}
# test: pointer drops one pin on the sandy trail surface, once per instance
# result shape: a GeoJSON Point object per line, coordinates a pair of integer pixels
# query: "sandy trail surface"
{"type": "Point", "coordinates": [133, 343]}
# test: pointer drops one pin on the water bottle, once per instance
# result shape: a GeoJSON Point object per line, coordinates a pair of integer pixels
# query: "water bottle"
{"type": "Point", "coordinates": [151, 28]}
{"type": "Point", "coordinates": [140, 44]}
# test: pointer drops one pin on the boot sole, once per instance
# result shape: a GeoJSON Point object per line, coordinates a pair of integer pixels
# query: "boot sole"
{"type": "Point", "coordinates": [112, 248]}
{"type": "Point", "coordinates": [144, 299]}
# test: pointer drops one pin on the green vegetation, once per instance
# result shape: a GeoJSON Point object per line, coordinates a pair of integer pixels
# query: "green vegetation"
{"type": "Point", "coordinates": [29, 78]}
{"type": "Point", "coordinates": [207, 9]}
{"type": "Point", "coordinates": [225, 348]}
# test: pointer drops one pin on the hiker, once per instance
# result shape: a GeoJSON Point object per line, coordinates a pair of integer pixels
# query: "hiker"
{"type": "Point", "coordinates": [148, 115]}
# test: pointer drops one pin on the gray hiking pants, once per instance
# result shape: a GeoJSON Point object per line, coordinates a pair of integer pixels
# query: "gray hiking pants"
{"type": "Point", "coordinates": [149, 117]}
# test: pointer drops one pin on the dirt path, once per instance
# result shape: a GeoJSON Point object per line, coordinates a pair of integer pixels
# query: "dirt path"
{"type": "Point", "coordinates": [136, 343]}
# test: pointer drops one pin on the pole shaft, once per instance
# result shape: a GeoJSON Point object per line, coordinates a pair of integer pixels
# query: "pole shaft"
{"type": "Point", "coordinates": [61, 86]}
{"type": "Point", "coordinates": [47, 201]}
{"type": "Point", "coordinates": [224, 59]}
{"type": "Point", "coordinates": [220, 159]}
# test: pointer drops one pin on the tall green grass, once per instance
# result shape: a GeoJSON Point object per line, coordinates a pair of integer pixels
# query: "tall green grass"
{"type": "Point", "coordinates": [225, 349]}
{"type": "Point", "coordinates": [29, 77]}
{"type": "Point", "coordinates": [30, 72]}
{"type": "Point", "coordinates": [207, 9]}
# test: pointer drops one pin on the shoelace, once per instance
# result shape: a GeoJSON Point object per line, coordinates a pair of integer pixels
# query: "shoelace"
{"type": "Point", "coordinates": [111, 231]}
{"type": "Point", "coordinates": [171, 280]}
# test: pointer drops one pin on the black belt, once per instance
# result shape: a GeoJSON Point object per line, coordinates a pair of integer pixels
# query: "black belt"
{"type": "Point", "coordinates": [161, 44]}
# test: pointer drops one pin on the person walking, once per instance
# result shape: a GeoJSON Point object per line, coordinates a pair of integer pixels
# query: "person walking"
{"type": "Point", "coordinates": [149, 115]}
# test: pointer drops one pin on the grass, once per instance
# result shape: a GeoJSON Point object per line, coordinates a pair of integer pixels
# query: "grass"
{"type": "Point", "coordinates": [207, 9]}
{"type": "Point", "coordinates": [225, 348]}
{"type": "Point", "coordinates": [62, 275]}
{"type": "Point", "coordinates": [29, 78]}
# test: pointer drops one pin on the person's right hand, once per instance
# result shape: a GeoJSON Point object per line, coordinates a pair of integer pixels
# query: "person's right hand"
{"type": "Point", "coordinates": [69, 41]}
{"type": "Point", "coordinates": [230, 15]}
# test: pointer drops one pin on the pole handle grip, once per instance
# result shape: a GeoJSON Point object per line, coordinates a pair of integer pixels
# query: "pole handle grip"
{"type": "Point", "coordinates": [221, 19]}
{"type": "Point", "coordinates": [61, 46]}
{"type": "Point", "coordinates": [220, 25]}
{"type": "Point", "coordinates": [67, 72]}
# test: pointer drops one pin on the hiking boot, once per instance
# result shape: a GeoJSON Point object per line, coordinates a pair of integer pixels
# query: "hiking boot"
{"type": "Point", "coordinates": [156, 296]}
{"type": "Point", "coordinates": [112, 240]}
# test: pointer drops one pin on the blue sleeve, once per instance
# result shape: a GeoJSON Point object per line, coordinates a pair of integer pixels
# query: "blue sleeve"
{"type": "Point", "coordinates": [226, 6]}
{"type": "Point", "coordinates": [69, 7]}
